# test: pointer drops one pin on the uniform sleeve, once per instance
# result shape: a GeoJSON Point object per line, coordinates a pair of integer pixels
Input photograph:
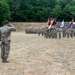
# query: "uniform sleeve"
{"type": "Point", "coordinates": [0, 33]}
{"type": "Point", "coordinates": [0, 29]}
{"type": "Point", "coordinates": [12, 28]}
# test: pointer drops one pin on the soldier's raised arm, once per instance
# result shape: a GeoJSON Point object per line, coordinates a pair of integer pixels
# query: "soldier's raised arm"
{"type": "Point", "coordinates": [12, 27]}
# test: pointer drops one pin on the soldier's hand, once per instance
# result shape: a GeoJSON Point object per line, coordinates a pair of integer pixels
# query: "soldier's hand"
{"type": "Point", "coordinates": [10, 24]}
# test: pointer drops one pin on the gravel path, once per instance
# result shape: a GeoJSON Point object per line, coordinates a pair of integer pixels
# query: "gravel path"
{"type": "Point", "coordinates": [35, 55]}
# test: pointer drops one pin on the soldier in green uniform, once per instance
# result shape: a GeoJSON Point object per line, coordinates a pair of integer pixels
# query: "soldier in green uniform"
{"type": "Point", "coordinates": [5, 39]}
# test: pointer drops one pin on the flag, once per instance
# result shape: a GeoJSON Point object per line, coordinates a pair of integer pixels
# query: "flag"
{"type": "Point", "coordinates": [71, 23]}
{"type": "Point", "coordinates": [50, 26]}
{"type": "Point", "coordinates": [62, 24]}
{"type": "Point", "coordinates": [53, 21]}
{"type": "Point", "coordinates": [48, 23]}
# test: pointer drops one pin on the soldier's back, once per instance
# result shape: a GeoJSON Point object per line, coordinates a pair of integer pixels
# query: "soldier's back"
{"type": "Point", "coordinates": [5, 33]}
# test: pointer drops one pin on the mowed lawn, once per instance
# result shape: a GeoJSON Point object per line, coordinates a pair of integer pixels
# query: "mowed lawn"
{"type": "Point", "coordinates": [31, 54]}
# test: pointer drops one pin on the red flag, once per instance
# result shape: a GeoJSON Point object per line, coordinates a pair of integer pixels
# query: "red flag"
{"type": "Point", "coordinates": [53, 21]}
{"type": "Point", "coordinates": [71, 23]}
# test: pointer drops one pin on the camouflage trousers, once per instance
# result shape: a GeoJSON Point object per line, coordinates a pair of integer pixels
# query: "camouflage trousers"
{"type": "Point", "coordinates": [5, 49]}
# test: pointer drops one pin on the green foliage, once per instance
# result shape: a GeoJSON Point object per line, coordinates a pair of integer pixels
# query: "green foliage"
{"type": "Point", "coordinates": [4, 12]}
{"type": "Point", "coordinates": [72, 11]}
{"type": "Point", "coordinates": [57, 11]}
{"type": "Point", "coordinates": [67, 10]}
{"type": "Point", "coordinates": [39, 10]}
{"type": "Point", "coordinates": [30, 10]}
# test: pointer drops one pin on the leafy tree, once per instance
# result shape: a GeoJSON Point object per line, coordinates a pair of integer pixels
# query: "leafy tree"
{"type": "Point", "coordinates": [63, 3]}
{"type": "Point", "coordinates": [57, 11]}
{"type": "Point", "coordinates": [4, 11]}
{"type": "Point", "coordinates": [66, 13]}
{"type": "Point", "coordinates": [72, 10]}
{"type": "Point", "coordinates": [30, 10]}
{"type": "Point", "coordinates": [40, 10]}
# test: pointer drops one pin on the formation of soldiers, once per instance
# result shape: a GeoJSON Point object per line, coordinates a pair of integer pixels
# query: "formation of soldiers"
{"type": "Point", "coordinates": [52, 31]}
{"type": "Point", "coordinates": [57, 33]}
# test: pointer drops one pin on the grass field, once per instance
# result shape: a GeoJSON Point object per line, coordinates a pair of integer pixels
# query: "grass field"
{"type": "Point", "coordinates": [35, 55]}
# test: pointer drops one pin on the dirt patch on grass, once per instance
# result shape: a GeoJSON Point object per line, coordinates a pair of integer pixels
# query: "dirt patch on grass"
{"type": "Point", "coordinates": [35, 55]}
{"type": "Point", "coordinates": [21, 26]}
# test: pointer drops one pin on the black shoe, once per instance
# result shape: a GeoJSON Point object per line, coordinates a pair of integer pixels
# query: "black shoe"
{"type": "Point", "coordinates": [5, 61]}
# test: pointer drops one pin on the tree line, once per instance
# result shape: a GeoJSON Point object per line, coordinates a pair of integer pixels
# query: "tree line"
{"type": "Point", "coordinates": [36, 10]}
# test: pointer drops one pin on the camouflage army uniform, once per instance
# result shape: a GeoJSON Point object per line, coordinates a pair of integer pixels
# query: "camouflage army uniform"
{"type": "Point", "coordinates": [5, 40]}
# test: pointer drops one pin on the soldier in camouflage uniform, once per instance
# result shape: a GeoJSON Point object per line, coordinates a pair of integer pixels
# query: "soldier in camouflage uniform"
{"type": "Point", "coordinates": [5, 40]}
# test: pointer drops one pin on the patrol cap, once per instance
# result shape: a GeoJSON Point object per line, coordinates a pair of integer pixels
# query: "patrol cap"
{"type": "Point", "coordinates": [6, 22]}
